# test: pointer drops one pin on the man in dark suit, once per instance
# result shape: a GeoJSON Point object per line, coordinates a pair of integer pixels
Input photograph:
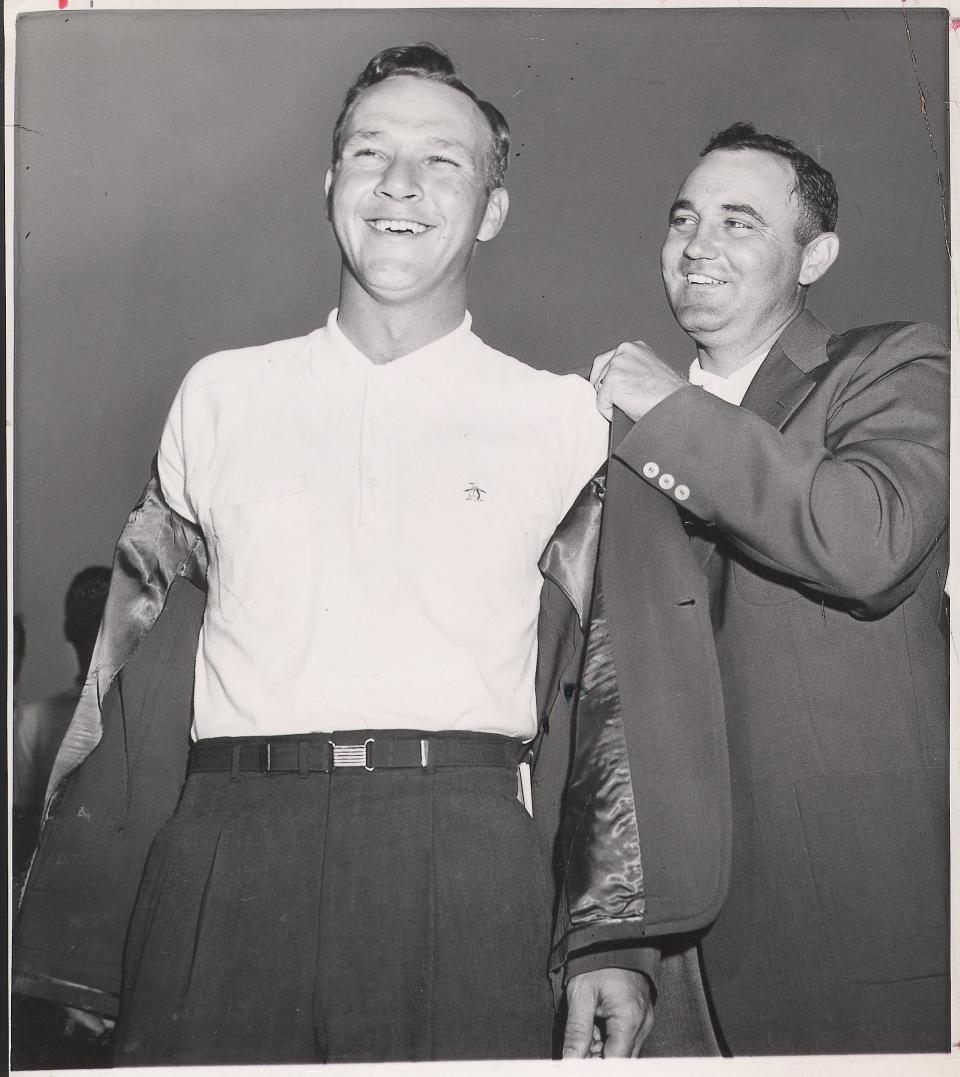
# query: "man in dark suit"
{"type": "Point", "coordinates": [809, 471]}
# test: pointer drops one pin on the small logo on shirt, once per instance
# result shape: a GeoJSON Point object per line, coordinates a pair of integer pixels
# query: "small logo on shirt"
{"type": "Point", "coordinates": [473, 492]}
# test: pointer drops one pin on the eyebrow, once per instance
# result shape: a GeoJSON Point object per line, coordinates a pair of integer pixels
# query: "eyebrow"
{"type": "Point", "coordinates": [354, 135]}
{"type": "Point", "coordinates": [449, 144]}
{"type": "Point", "coordinates": [728, 207]}
{"type": "Point", "coordinates": [743, 207]}
{"type": "Point", "coordinates": [433, 140]}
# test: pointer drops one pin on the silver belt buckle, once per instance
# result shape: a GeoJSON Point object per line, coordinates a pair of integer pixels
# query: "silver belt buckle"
{"type": "Point", "coordinates": [352, 755]}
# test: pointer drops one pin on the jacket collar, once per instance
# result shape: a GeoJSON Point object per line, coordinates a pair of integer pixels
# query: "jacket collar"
{"type": "Point", "coordinates": [791, 370]}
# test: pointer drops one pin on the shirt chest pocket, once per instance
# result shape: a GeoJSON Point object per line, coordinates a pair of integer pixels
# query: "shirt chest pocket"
{"type": "Point", "coordinates": [262, 551]}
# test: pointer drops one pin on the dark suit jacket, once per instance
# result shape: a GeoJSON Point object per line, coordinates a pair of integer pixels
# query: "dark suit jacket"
{"type": "Point", "coordinates": [818, 510]}
{"type": "Point", "coordinates": [121, 766]}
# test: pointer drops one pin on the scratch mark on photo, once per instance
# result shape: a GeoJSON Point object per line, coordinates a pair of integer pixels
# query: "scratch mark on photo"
{"type": "Point", "coordinates": [929, 129]}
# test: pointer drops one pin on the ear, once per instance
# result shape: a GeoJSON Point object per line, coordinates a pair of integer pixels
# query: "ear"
{"type": "Point", "coordinates": [327, 186]}
{"type": "Point", "coordinates": [818, 256]}
{"type": "Point", "coordinates": [498, 203]}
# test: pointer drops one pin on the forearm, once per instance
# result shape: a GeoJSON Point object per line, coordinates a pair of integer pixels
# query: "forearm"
{"type": "Point", "coordinates": [850, 515]}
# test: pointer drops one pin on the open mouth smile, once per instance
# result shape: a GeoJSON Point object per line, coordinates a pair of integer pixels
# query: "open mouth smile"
{"type": "Point", "coordinates": [702, 278]}
{"type": "Point", "coordinates": [397, 227]}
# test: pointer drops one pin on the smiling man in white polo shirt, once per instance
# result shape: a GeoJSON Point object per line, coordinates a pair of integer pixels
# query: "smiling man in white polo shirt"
{"type": "Point", "coordinates": [348, 874]}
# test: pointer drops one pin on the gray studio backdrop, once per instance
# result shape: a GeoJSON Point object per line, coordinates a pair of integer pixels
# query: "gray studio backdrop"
{"type": "Point", "coordinates": [169, 203]}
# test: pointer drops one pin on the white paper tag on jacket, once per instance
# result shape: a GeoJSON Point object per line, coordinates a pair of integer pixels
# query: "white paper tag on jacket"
{"type": "Point", "coordinates": [524, 789]}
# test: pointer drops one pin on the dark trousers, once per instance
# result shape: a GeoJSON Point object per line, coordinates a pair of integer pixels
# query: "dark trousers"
{"type": "Point", "coordinates": [354, 916]}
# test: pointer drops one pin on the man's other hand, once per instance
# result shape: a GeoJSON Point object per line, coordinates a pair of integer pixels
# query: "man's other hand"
{"type": "Point", "coordinates": [633, 378]}
{"type": "Point", "coordinates": [609, 1014]}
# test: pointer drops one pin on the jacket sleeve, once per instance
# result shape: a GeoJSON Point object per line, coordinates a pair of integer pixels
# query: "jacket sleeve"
{"type": "Point", "coordinates": [120, 767]}
{"type": "Point", "coordinates": [849, 515]}
{"type": "Point", "coordinates": [638, 958]}
{"type": "Point", "coordinates": [70, 932]}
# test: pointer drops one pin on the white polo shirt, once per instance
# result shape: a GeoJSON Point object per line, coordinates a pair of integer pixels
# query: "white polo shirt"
{"type": "Point", "coordinates": [373, 530]}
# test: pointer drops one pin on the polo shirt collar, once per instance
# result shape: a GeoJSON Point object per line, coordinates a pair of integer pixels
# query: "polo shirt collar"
{"type": "Point", "coordinates": [440, 364]}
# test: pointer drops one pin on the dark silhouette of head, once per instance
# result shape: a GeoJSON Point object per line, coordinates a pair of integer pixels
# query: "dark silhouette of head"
{"type": "Point", "coordinates": [83, 611]}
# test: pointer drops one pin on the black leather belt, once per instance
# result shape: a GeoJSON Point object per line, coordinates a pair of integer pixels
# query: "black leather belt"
{"type": "Point", "coordinates": [323, 753]}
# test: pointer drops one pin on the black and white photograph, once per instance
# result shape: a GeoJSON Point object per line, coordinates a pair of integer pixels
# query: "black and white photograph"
{"type": "Point", "coordinates": [478, 487]}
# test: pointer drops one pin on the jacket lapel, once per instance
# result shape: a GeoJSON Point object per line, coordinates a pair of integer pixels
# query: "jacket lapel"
{"type": "Point", "coordinates": [791, 370]}
{"type": "Point", "coordinates": [785, 379]}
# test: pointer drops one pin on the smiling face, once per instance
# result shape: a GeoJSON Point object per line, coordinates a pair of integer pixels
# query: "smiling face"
{"type": "Point", "coordinates": [408, 199]}
{"type": "Point", "coordinates": [733, 270]}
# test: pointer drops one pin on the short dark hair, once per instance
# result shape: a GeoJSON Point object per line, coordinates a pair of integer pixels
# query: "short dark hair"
{"type": "Point", "coordinates": [813, 185]}
{"type": "Point", "coordinates": [83, 606]}
{"type": "Point", "coordinates": [426, 61]}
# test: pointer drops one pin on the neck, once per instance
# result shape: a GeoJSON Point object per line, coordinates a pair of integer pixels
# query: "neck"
{"type": "Point", "coordinates": [384, 332]}
{"type": "Point", "coordinates": [723, 360]}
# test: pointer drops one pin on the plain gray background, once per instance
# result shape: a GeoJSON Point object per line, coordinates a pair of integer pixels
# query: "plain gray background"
{"type": "Point", "coordinates": [169, 203]}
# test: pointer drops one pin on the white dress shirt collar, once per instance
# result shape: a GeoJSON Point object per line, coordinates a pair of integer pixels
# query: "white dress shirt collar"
{"type": "Point", "coordinates": [732, 389]}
